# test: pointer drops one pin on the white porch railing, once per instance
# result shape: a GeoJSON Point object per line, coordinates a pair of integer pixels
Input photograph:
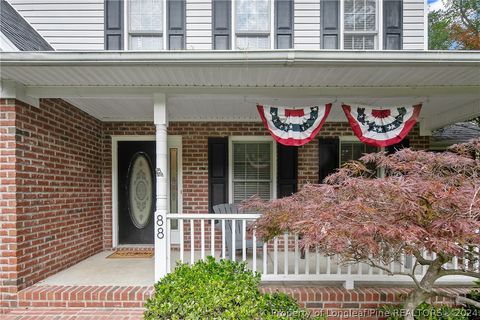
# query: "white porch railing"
{"type": "Point", "coordinates": [281, 259]}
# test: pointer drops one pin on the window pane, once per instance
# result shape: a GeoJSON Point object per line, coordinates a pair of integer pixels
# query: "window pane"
{"type": "Point", "coordinates": [251, 170]}
{"type": "Point", "coordinates": [360, 15]}
{"type": "Point", "coordinates": [145, 15]}
{"type": "Point", "coordinates": [354, 151]}
{"type": "Point", "coordinates": [252, 15]}
{"type": "Point", "coordinates": [359, 42]}
{"type": "Point", "coordinates": [253, 42]}
{"type": "Point", "coordinates": [146, 43]}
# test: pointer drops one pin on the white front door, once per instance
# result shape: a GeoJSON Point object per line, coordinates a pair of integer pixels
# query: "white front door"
{"type": "Point", "coordinates": [175, 198]}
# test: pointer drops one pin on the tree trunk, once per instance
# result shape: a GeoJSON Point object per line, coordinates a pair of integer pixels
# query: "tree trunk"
{"type": "Point", "coordinates": [423, 291]}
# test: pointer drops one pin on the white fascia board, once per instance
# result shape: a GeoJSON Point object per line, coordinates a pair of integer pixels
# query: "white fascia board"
{"type": "Point", "coordinates": [250, 58]}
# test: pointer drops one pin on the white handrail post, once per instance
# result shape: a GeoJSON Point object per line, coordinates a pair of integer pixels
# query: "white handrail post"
{"type": "Point", "coordinates": [161, 232]}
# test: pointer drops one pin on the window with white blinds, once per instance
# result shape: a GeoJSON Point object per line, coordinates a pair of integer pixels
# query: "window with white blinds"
{"type": "Point", "coordinates": [145, 24]}
{"type": "Point", "coordinates": [252, 24]}
{"type": "Point", "coordinates": [251, 170]}
{"type": "Point", "coordinates": [360, 24]}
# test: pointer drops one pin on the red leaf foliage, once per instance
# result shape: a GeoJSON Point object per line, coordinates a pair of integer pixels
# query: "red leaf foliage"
{"type": "Point", "coordinates": [424, 201]}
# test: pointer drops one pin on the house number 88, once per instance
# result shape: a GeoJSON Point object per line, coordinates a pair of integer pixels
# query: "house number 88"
{"type": "Point", "coordinates": [160, 233]}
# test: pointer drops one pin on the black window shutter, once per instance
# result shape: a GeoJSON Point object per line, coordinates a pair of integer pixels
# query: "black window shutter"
{"type": "Point", "coordinates": [222, 11]}
{"type": "Point", "coordinates": [392, 24]}
{"type": "Point", "coordinates": [217, 171]}
{"type": "Point", "coordinates": [284, 24]}
{"type": "Point", "coordinates": [176, 24]}
{"type": "Point", "coordinates": [328, 157]}
{"type": "Point", "coordinates": [405, 143]}
{"type": "Point", "coordinates": [113, 25]}
{"type": "Point", "coordinates": [287, 164]}
{"type": "Point", "coordinates": [330, 24]}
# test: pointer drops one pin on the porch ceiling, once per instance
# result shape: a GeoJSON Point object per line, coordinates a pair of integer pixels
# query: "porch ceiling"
{"type": "Point", "coordinates": [224, 86]}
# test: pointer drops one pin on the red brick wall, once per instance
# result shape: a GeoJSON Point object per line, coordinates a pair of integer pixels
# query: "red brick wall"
{"type": "Point", "coordinates": [58, 207]}
{"type": "Point", "coordinates": [8, 225]}
{"type": "Point", "coordinates": [195, 156]}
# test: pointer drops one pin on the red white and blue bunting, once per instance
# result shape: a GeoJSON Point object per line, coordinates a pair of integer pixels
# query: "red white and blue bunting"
{"type": "Point", "coordinates": [381, 127]}
{"type": "Point", "coordinates": [294, 126]}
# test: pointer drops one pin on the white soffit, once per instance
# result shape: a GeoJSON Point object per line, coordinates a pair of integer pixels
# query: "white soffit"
{"type": "Point", "coordinates": [243, 108]}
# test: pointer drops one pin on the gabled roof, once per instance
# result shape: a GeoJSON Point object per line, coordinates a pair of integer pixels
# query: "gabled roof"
{"type": "Point", "coordinates": [19, 31]}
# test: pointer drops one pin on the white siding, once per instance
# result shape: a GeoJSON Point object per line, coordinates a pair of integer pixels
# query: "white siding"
{"type": "Point", "coordinates": [199, 24]}
{"type": "Point", "coordinates": [306, 24]}
{"type": "Point", "coordinates": [66, 24]}
{"type": "Point", "coordinates": [414, 24]}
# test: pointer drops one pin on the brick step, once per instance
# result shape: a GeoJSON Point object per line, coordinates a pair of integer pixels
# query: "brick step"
{"type": "Point", "coordinates": [41, 296]}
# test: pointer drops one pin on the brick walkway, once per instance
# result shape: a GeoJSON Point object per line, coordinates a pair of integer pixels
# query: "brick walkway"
{"type": "Point", "coordinates": [73, 313]}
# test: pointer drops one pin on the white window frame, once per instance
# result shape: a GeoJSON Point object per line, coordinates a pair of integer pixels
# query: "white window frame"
{"type": "Point", "coordinates": [270, 34]}
{"type": "Point", "coordinates": [126, 26]}
{"type": "Point", "coordinates": [273, 167]}
{"type": "Point", "coordinates": [378, 38]}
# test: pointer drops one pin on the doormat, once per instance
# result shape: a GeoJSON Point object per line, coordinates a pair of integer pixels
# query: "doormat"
{"type": "Point", "coordinates": [131, 254]}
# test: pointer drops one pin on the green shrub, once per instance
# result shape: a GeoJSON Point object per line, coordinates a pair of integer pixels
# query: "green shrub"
{"type": "Point", "coordinates": [426, 311]}
{"type": "Point", "coordinates": [217, 290]}
{"type": "Point", "coordinates": [473, 311]}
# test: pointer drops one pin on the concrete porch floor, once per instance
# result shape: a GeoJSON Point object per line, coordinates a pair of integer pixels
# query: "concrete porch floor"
{"type": "Point", "coordinates": [97, 270]}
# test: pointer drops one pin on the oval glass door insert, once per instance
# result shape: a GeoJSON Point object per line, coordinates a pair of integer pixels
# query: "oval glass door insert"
{"type": "Point", "coordinates": [140, 190]}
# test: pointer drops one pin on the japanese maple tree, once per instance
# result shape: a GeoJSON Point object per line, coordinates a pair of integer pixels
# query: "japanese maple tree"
{"type": "Point", "coordinates": [423, 202]}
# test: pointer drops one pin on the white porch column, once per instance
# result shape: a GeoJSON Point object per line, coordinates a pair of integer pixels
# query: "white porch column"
{"type": "Point", "coordinates": [161, 232]}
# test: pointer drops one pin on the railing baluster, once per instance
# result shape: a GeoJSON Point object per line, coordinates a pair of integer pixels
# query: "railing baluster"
{"type": "Point", "coordinates": [264, 258]}
{"type": "Point", "coordinates": [317, 262]}
{"type": "Point", "coordinates": [455, 262]}
{"type": "Point", "coordinates": [182, 240]}
{"type": "Point", "coordinates": [244, 240]}
{"type": "Point", "coordinates": [285, 253]}
{"type": "Point", "coordinates": [339, 269]}
{"type": "Point", "coordinates": [232, 254]}
{"type": "Point", "coordinates": [275, 256]}
{"type": "Point", "coordinates": [402, 262]}
{"type": "Point", "coordinates": [192, 242]}
{"type": "Point", "coordinates": [307, 260]}
{"type": "Point", "coordinates": [466, 262]}
{"type": "Point", "coordinates": [370, 268]}
{"type": "Point", "coordinates": [254, 253]}
{"type": "Point", "coordinates": [476, 266]}
{"type": "Point", "coordinates": [202, 239]}
{"type": "Point", "coordinates": [223, 238]}
{"type": "Point", "coordinates": [297, 257]}
{"type": "Point", "coordinates": [212, 237]}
